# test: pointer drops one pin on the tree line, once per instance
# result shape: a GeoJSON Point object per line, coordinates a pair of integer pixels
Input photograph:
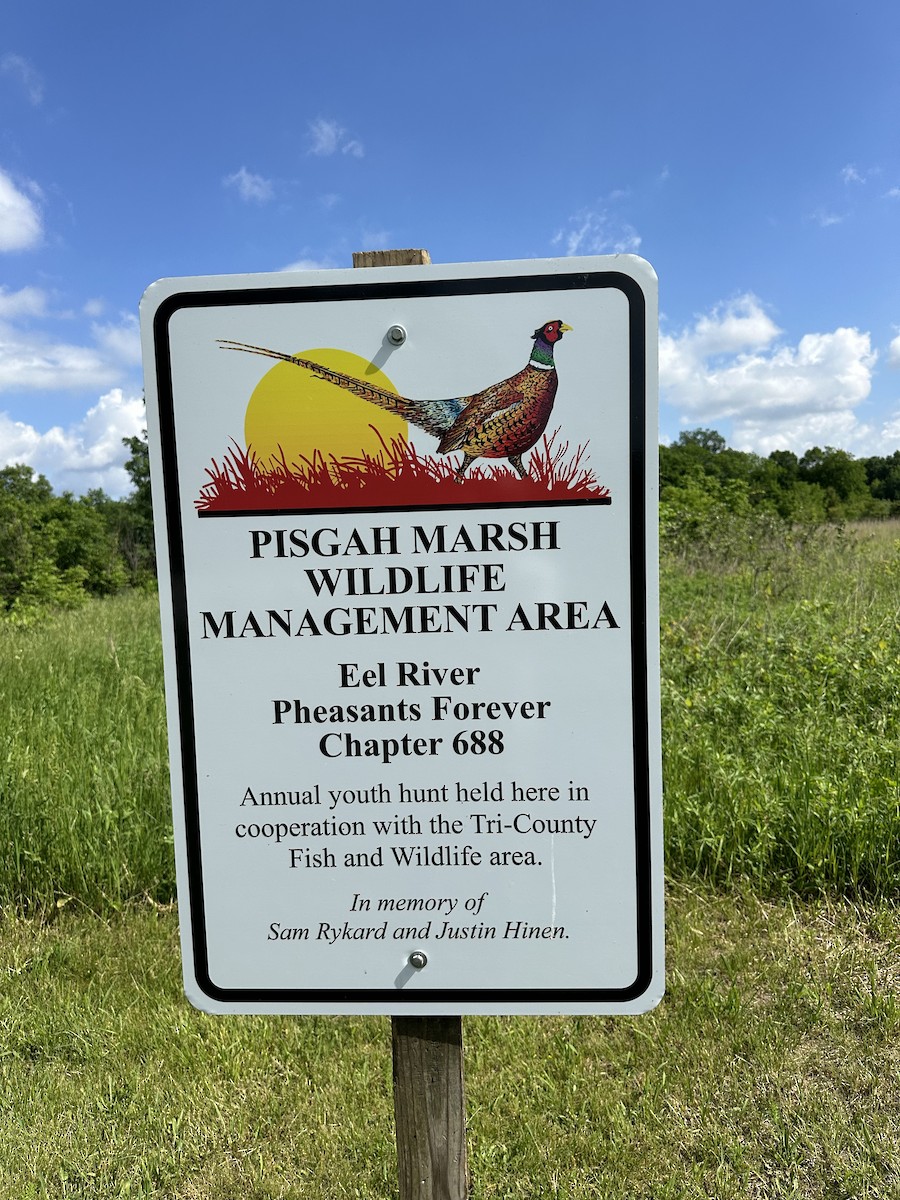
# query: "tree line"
{"type": "Point", "coordinates": [59, 550]}
{"type": "Point", "coordinates": [700, 470]}
{"type": "Point", "coordinates": [62, 549]}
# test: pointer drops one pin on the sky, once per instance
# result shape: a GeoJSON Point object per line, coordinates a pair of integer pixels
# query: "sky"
{"type": "Point", "coordinates": [751, 153]}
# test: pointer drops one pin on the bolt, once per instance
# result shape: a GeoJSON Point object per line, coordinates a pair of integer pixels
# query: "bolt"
{"type": "Point", "coordinates": [396, 335]}
{"type": "Point", "coordinates": [418, 959]}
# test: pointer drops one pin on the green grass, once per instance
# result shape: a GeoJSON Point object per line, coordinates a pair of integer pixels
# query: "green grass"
{"type": "Point", "coordinates": [772, 1069]}
{"type": "Point", "coordinates": [781, 677]}
{"type": "Point", "coordinates": [781, 672]}
{"type": "Point", "coordinates": [84, 791]}
{"type": "Point", "coordinates": [781, 726]}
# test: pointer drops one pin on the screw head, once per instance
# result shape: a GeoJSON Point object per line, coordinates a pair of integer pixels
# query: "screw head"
{"type": "Point", "coordinates": [396, 335]}
{"type": "Point", "coordinates": [418, 959]}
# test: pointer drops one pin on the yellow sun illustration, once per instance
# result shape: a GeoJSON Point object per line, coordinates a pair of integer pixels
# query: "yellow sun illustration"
{"type": "Point", "coordinates": [294, 415]}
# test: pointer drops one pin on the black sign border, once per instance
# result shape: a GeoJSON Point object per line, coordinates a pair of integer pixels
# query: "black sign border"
{"type": "Point", "coordinates": [440, 999]}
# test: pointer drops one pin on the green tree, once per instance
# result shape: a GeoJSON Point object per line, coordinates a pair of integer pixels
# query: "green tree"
{"type": "Point", "coordinates": [30, 573]}
{"type": "Point", "coordinates": [704, 452]}
{"type": "Point", "coordinates": [136, 515]}
{"type": "Point", "coordinates": [883, 478]}
{"type": "Point", "coordinates": [694, 452]}
{"type": "Point", "coordinates": [55, 550]}
{"type": "Point", "coordinates": [841, 476]}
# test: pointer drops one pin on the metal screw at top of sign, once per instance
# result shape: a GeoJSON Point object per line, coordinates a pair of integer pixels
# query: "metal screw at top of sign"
{"type": "Point", "coordinates": [396, 335]}
{"type": "Point", "coordinates": [418, 959]}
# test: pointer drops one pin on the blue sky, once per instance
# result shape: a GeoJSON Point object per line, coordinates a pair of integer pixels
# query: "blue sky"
{"type": "Point", "coordinates": [749, 152]}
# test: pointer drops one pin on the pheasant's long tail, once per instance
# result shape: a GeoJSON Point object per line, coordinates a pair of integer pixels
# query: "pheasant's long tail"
{"type": "Point", "coordinates": [434, 416]}
{"type": "Point", "coordinates": [368, 391]}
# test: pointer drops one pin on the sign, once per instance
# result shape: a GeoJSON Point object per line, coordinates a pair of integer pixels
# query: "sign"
{"type": "Point", "coordinates": [406, 525]}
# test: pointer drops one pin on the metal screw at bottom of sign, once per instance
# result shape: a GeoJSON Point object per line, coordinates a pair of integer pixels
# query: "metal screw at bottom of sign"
{"type": "Point", "coordinates": [418, 959]}
{"type": "Point", "coordinates": [396, 335]}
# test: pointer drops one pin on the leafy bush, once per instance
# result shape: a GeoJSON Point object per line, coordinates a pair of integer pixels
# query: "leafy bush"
{"type": "Point", "coordinates": [57, 551]}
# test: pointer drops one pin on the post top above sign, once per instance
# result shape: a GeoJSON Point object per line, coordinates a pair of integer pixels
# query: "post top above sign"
{"type": "Point", "coordinates": [390, 258]}
{"type": "Point", "coordinates": [406, 527]}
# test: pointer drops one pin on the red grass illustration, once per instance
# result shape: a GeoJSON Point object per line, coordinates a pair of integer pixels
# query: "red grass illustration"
{"type": "Point", "coordinates": [398, 477]}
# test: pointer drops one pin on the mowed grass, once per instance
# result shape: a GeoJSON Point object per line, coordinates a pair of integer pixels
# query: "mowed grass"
{"type": "Point", "coordinates": [772, 1069]}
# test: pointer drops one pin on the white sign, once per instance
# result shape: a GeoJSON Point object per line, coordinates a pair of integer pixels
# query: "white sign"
{"type": "Point", "coordinates": [406, 525]}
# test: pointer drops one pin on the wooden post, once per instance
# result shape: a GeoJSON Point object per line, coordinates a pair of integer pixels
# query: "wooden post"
{"type": "Point", "coordinates": [429, 1095]}
{"type": "Point", "coordinates": [391, 258]}
{"type": "Point", "coordinates": [429, 1107]}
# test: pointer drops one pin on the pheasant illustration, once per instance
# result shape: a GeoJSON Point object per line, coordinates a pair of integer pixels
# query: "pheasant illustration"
{"type": "Point", "coordinates": [503, 421]}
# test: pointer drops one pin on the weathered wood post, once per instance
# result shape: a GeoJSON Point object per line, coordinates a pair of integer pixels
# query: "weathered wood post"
{"type": "Point", "coordinates": [429, 1096]}
{"type": "Point", "coordinates": [429, 1107]}
{"type": "Point", "coordinates": [391, 258]}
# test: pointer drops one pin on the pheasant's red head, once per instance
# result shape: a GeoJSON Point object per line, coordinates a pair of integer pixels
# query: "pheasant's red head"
{"type": "Point", "coordinates": [552, 331]}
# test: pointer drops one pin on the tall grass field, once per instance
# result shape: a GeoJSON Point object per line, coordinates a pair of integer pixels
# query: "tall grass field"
{"type": "Point", "coordinates": [770, 1070]}
{"type": "Point", "coordinates": [781, 708]}
{"type": "Point", "coordinates": [780, 684]}
{"type": "Point", "coordinates": [84, 783]}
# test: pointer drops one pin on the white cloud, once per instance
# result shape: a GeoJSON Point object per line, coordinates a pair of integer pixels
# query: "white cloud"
{"type": "Point", "coordinates": [894, 352]}
{"type": "Point", "coordinates": [250, 187]}
{"type": "Point", "coordinates": [375, 239]}
{"type": "Point", "coordinates": [121, 341]}
{"type": "Point", "coordinates": [308, 264]}
{"type": "Point", "coordinates": [32, 360]}
{"type": "Point", "coordinates": [20, 221]}
{"type": "Point", "coordinates": [741, 324]}
{"type": "Point", "coordinates": [328, 137]}
{"type": "Point", "coordinates": [730, 366]}
{"type": "Point", "coordinates": [892, 193]}
{"type": "Point", "coordinates": [852, 174]}
{"type": "Point", "coordinates": [890, 436]}
{"type": "Point", "coordinates": [325, 136]}
{"type": "Point", "coordinates": [27, 302]}
{"type": "Point", "coordinates": [825, 219]}
{"type": "Point", "coordinates": [18, 68]}
{"type": "Point", "coordinates": [87, 454]}
{"type": "Point", "coordinates": [597, 232]}
{"type": "Point", "coordinates": [810, 429]}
